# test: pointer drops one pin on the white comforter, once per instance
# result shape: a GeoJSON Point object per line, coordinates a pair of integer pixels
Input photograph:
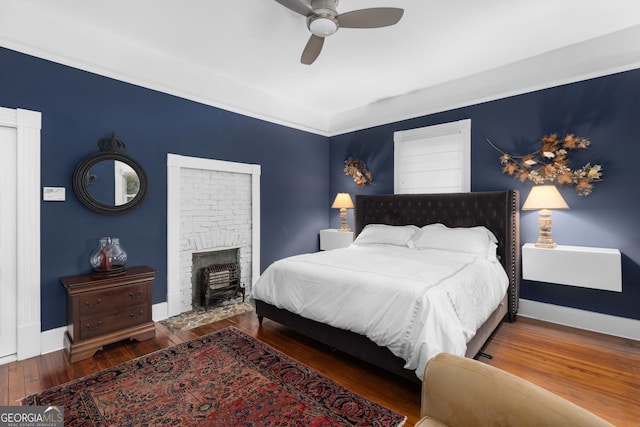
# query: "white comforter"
{"type": "Point", "coordinates": [416, 302]}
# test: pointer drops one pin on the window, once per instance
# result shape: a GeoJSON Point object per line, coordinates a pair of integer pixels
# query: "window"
{"type": "Point", "coordinates": [433, 159]}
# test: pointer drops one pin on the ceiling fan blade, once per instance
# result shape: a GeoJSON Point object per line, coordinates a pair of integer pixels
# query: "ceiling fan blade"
{"type": "Point", "coordinates": [312, 49]}
{"type": "Point", "coordinates": [371, 18]}
{"type": "Point", "coordinates": [297, 6]}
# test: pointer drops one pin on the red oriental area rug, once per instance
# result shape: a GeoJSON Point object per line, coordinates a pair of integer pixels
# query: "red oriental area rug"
{"type": "Point", "coordinates": [226, 378]}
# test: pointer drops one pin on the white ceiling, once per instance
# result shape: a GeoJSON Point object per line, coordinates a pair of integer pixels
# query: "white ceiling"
{"type": "Point", "coordinates": [244, 55]}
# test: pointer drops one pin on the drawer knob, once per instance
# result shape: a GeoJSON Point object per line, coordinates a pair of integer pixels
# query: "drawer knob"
{"type": "Point", "coordinates": [90, 305]}
{"type": "Point", "coordinates": [93, 328]}
{"type": "Point", "coordinates": [136, 294]}
{"type": "Point", "coordinates": [136, 316]}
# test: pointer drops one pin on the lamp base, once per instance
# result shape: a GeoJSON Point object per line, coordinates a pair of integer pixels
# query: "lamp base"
{"type": "Point", "coordinates": [545, 240]}
{"type": "Point", "coordinates": [343, 220]}
{"type": "Point", "coordinates": [540, 244]}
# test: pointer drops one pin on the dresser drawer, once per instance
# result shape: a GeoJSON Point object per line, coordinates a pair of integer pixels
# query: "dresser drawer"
{"type": "Point", "coordinates": [108, 299]}
{"type": "Point", "coordinates": [114, 320]}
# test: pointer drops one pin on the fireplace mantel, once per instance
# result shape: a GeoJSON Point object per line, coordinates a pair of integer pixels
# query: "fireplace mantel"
{"type": "Point", "coordinates": [176, 166]}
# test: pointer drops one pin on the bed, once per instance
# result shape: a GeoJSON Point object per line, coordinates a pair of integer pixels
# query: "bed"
{"type": "Point", "coordinates": [496, 211]}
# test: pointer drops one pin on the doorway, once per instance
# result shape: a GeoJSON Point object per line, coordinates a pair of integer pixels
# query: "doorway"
{"type": "Point", "coordinates": [8, 241]}
{"type": "Point", "coordinates": [20, 234]}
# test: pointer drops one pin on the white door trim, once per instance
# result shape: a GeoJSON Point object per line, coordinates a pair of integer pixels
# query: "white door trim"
{"type": "Point", "coordinates": [28, 125]}
{"type": "Point", "coordinates": [8, 266]}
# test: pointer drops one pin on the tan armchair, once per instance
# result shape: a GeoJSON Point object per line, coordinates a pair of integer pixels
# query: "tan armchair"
{"type": "Point", "coordinates": [462, 392]}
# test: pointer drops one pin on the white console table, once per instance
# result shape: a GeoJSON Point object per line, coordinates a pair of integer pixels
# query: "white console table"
{"type": "Point", "coordinates": [597, 268]}
{"type": "Point", "coordinates": [334, 239]}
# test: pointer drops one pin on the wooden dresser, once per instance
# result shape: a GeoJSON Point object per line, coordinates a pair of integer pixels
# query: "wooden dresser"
{"type": "Point", "coordinates": [104, 310]}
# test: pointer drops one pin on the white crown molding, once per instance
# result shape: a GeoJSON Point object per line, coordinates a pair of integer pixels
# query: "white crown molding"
{"type": "Point", "coordinates": [153, 69]}
{"type": "Point", "coordinates": [610, 54]}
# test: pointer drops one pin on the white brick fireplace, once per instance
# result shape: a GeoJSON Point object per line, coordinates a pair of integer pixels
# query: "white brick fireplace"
{"type": "Point", "coordinates": [212, 205]}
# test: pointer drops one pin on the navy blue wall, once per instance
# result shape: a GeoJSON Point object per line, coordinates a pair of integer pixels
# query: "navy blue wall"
{"type": "Point", "coordinates": [606, 110]}
{"type": "Point", "coordinates": [302, 172]}
{"type": "Point", "coordinates": [79, 108]}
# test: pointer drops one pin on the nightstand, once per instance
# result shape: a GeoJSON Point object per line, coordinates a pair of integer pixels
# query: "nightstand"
{"type": "Point", "coordinates": [334, 239]}
{"type": "Point", "coordinates": [104, 310]}
{"type": "Point", "coordinates": [596, 268]}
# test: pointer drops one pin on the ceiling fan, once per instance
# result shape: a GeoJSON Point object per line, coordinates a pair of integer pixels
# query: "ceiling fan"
{"type": "Point", "coordinates": [323, 20]}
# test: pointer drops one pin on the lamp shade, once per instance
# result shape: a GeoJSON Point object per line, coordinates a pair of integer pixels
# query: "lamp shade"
{"type": "Point", "coordinates": [343, 200]}
{"type": "Point", "coordinates": [544, 197]}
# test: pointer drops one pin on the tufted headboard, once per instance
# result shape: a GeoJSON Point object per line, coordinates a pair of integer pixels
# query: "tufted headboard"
{"type": "Point", "coordinates": [496, 210]}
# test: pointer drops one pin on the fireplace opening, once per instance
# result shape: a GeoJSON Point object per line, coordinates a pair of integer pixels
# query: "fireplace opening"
{"type": "Point", "coordinates": [216, 277]}
{"type": "Point", "coordinates": [220, 282]}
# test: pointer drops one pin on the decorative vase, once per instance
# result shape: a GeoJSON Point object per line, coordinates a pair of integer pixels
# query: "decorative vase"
{"type": "Point", "coordinates": [109, 258]}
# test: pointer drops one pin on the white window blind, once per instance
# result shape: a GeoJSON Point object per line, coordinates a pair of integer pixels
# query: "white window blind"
{"type": "Point", "coordinates": [433, 159]}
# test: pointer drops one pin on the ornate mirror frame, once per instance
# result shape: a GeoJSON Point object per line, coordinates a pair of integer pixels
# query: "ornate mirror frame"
{"type": "Point", "coordinates": [110, 149]}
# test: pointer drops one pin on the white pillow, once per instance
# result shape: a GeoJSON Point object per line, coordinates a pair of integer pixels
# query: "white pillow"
{"type": "Point", "coordinates": [475, 240]}
{"type": "Point", "coordinates": [398, 235]}
{"type": "Point", "coordinates": [412, 242]}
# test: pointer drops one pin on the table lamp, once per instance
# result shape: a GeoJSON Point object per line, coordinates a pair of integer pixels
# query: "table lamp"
{"type": "Point", "coordinates": [544, 198]}
{"type": "Point", "coordinates": [343, 202]}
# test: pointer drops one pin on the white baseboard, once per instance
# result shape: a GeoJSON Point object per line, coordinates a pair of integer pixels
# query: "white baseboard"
{"type": "Point", "coordinates": [160, 311]}
{"type": "Point", "coordinates": [8, 359]}
{"type": "Point", "coordinates": [52, 340]}
{"type": "Point", "coordinates": [582, 319]}
{"type": "Point", "coordinates": [27, 344]}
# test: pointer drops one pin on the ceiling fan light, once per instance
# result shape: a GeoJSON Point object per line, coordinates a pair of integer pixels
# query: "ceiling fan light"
{"type": "Point", "coordinates": [322, 26]}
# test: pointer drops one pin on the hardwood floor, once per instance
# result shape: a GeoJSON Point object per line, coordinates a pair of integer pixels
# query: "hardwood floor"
{"type": "Point", "coordinates": [598, 372]}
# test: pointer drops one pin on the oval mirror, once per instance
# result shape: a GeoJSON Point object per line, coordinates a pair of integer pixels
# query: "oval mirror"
{"type": "Point", "coordinates": [110, 182]}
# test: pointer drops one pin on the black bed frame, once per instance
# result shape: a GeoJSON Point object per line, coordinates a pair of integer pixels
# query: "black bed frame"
{"type": "Point", "coordinates": [498, 211]}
